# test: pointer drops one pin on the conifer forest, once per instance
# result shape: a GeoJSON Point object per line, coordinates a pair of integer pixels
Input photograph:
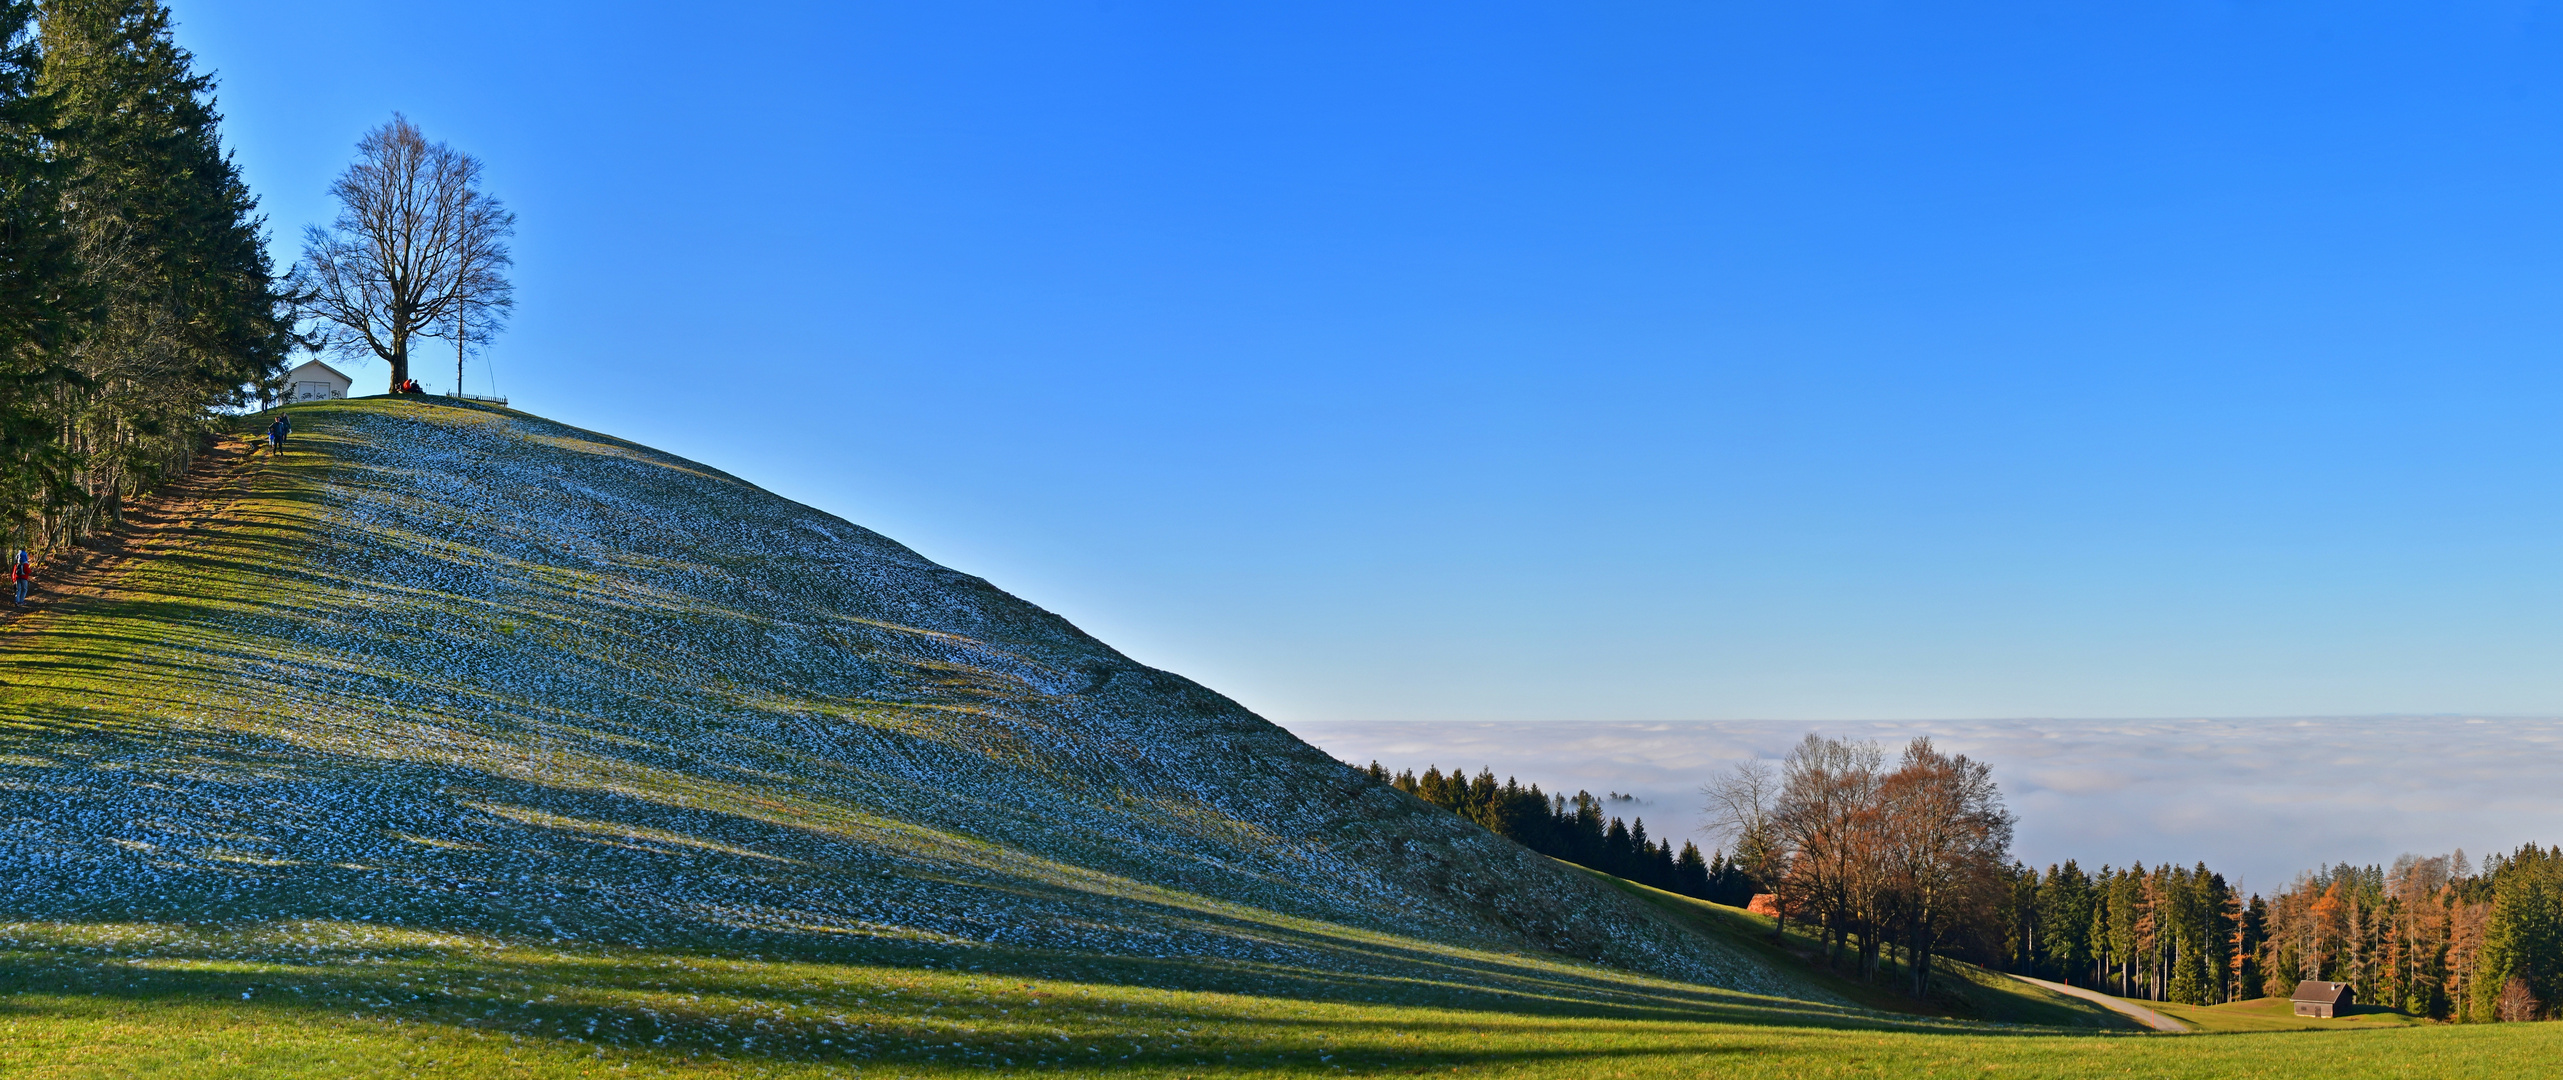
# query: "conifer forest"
{"type": "Point", "coordinates": [1837, 840]}
{"type": "Point", "coordinates": [2430, 935]}
{"type": "Point", "coordinates": [137, 298]}
{"type": "Point", "coordinates": [1578, 830]}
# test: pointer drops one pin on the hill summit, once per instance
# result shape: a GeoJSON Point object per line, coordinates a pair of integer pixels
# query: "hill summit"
{"type": "Point", "coordinates": [460, 669]}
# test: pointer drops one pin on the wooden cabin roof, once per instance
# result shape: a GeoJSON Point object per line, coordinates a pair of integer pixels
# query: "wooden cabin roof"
{"type": "Point", "coordinates": [315, 366]}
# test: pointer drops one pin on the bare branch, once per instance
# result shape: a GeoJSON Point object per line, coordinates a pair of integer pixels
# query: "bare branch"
{"type": "Point", "coordinates": [418, 250]}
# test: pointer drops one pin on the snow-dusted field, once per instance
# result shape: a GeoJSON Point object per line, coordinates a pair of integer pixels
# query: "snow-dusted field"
{"type": "Point", "coordinates": [472, 673]}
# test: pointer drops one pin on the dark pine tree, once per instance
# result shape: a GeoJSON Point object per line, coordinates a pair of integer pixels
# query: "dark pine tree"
{"type": "Point", "coordinates": [1691, 873]}
{"type": "Point", "coordinates": [1617, 851]}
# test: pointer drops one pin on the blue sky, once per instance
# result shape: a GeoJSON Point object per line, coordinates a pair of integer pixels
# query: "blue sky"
{"type": "Point", "coordinates": [1632, 362]}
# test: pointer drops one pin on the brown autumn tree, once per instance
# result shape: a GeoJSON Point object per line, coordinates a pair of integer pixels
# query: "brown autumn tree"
{"type": "Point", "coordinates": [418, 250]}
{"type": "Point", "coordinates": [1946, 839]}
{"type": "Point", "coordinates": [1828, 789]}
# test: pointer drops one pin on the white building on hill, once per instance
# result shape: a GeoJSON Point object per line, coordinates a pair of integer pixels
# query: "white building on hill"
{"type": "Point", "coordinates": [315, 381]}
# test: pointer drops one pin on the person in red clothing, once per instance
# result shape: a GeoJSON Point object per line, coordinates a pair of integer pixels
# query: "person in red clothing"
{"type": "Point", "coordinates": [24, 575]}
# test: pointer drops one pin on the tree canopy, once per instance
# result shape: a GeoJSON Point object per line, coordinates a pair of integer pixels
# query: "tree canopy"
{"type": "Point", "coordinates": [136, 295]}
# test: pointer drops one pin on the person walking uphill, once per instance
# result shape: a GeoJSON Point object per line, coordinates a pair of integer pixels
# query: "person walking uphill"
{"type": "Point", "coordinates": [23, 575]}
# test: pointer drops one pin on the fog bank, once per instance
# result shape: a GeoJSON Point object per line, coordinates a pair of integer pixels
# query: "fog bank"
{"type": "Point", "coordinates": [2258, 800]}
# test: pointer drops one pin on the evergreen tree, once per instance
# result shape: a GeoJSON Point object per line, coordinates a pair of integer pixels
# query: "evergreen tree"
{"type": "Point", "coordinates": [2024, 945]}
{"type": "Point", "coordinates": [1663, 868]}
{"type": "Point", "coordinates": [1585, 833]}
{"type": "Point", "coordinates": [181, 310]}
{"type": "Point", "coordinates": [2125, 895]}
{"type": "Point", "coordinates": [1481, 800]}
{"type": "Point", "coordinates": [38, 285]}
{"type": "Point", "coordinates": [2104, 919]}
{"type": "Point", "coordinates": [2520, 972]}
{"type": "Point", "coordinates": [1731, 883]}
{"type": "Point", "coordinates": [2064, 905]}
{"type": "Point", "coordinates": [1691, 873]}
{"type": "Point", "coordinates": [2251, 933]}
{"type": "Point", "coordinates": [1617, 853]}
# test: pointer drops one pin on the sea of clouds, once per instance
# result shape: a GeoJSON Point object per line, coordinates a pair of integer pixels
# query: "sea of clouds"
{"type": "Point", "coordinates": [2258, 800]}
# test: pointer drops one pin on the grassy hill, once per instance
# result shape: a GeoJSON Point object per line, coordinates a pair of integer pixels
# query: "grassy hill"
{"type": "Point", "coordinates": [457, 742]}
{"type": "Point", "coordinates": [1958, 989]}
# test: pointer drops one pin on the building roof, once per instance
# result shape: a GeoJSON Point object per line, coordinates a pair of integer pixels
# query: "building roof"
{"type": "Point", "coordinates": [310, 364]}
{"type": "Point", "coordinates": [2331, 993]}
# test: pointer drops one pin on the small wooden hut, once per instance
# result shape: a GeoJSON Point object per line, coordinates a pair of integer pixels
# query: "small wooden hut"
{"type": "Point", "coordinates": [2324, 999]}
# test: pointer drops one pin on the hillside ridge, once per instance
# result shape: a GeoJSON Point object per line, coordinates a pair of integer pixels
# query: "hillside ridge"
{"type": "Point", "coordinates": [462, 667]}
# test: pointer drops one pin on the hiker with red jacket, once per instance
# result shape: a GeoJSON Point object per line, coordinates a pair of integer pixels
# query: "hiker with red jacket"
{"type": "Point", "coordinates": [24, 575]}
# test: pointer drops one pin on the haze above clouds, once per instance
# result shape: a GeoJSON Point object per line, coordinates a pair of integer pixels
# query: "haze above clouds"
{"type": "Point", "coordinates": [2257, 800]}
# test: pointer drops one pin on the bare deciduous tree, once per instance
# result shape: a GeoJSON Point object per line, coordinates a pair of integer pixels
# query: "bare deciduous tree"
{"type": "Point", "coordinates": [1738, 810]}
{"type": "Point", "coordinates": [1867, 852]}
{"type": "Point", "coordinates": [418, 250]}
{"type": "Point", "coordinates": [1828, 793]}
{"type": "Point", "coordinates": [1947, 839]}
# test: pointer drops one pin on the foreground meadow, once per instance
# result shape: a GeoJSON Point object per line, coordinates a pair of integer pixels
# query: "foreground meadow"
{"type": "Point", "coordinates": [360, 1000]}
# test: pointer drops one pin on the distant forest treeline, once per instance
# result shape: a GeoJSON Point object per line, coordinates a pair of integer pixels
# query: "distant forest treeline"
{"type": "Point", "coordinates": [1845, 844]}
{"type": "Point", "coordinates": [2428, 935]}
{"type": "Point", "coordinates": [1576, 830]}
{"type": "Point", "coordinates": [136, 296]}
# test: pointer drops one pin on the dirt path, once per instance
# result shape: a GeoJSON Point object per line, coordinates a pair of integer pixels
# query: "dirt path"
{"type": "Point", "coordinates": [2143, 1015]}
{"type": "Point", "coordinates": [70, 578]}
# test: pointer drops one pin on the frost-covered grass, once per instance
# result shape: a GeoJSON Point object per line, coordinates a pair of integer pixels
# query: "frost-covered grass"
{"type": "Point", "coordinates": [463, 742]}
{"type": "Point", "coordinates": [457, 671]}
{"type": "Point", "coordinates": [462, 667]}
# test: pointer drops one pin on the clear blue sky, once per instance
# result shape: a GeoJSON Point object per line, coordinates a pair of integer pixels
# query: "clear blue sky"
{"type": "Point", "coordinates": [1570, 361]}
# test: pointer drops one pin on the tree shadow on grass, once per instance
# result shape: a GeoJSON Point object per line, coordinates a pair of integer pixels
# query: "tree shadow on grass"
{"type": "Point", "coordinates": [985, 1007]}
{"type": "Point", "coordinates": [744, 747]}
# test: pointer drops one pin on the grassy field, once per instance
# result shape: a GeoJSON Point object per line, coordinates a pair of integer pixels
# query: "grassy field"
{"type": "Point", "coordinates": [1958, 989]}
{"type": "Point", "coordinates": [2272, 1014]}
{"type": "Point", "coordinates": [422, 1008]}
{"type": "Point", "coordinates": [454, 744]}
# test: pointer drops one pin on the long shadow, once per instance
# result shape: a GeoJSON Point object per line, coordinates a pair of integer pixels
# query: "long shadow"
{"type": "Point", "coordinates": [993, 1006]}
{"type": "Point", "coordinates": [747, 807]}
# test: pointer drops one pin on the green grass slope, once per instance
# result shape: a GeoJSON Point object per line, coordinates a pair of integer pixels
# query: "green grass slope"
{"type": "Point", "coordinates": [2279, 1014]}
{"type": "Point", "coordinates": [1958, 988]}
{"type": "Point", "coordinates": [461, 743]}
{"type": "Point", "coordinates": [455, 670]}
{"type": "Point", "coordinates": [467, 668]}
